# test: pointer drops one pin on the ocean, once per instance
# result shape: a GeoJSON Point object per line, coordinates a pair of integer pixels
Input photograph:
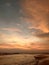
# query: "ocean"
{"type": "Point", "coordinates": [17, 59]}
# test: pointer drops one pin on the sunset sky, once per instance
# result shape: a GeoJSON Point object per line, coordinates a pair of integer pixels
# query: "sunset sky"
{"type": "Point", "coordinates": [24, 24]}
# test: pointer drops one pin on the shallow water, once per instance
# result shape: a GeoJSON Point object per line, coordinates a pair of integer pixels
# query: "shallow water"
{"type": "Point", "coordinates": [18, 59]}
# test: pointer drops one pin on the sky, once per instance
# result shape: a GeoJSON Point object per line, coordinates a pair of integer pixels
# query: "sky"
{"type": "Point", "coordinates": [24, 24]}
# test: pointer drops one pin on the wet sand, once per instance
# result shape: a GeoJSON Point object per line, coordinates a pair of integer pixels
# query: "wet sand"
{"type": "Point", "coordinates": [41, 60]}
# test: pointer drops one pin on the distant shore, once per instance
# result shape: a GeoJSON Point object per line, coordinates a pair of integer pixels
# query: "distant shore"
{"type": "Point", "coordinates": [8, 53]}
{"type": "Point", "coordinates": [20, 53]}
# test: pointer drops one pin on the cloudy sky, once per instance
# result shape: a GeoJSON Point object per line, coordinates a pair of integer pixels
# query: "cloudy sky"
{"type": "Point", "coordinates": [24, 24]}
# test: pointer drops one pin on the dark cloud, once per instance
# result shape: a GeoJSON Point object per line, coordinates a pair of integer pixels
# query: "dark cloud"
{"type": "Point", "coordinates": [35, 31]}
{"type": "Point", "coordinates": [45, 35]}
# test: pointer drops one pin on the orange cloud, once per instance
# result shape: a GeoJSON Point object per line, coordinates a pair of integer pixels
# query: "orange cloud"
{"type": "Point", "coordinates": [37, 13]}
{"type": "Point", "coordinates": [39, 46]}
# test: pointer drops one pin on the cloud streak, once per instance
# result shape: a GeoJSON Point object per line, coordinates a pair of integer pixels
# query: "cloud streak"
{"type": "Point", "coordinates": [11, 29]}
